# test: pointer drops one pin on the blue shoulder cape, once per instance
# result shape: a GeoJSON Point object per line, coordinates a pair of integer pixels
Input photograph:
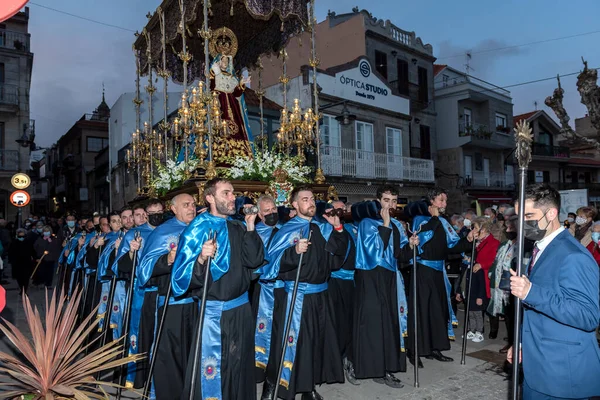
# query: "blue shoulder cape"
{"type": "Point", "coordinates": [190, 247]}
{"type": "Point", "coordinates": [109, 247]}
{"type": "Point", "coordinates": [160, 242]}
{"type": "Point", "coordinates": [144, 230]}
{"type": "Point", "coordinates": [452, 237]}
{"type": "Point", "coordinates": [287, 236]}
{"type": "Point", "coordinates": [369, 246]}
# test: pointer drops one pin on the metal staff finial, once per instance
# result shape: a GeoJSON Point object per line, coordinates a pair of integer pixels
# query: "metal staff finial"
{"type": "Point", "coordinates": [523, 139]}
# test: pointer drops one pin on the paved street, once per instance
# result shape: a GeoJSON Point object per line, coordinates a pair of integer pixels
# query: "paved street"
{"type": "Point", "coordinates": [476, 380]}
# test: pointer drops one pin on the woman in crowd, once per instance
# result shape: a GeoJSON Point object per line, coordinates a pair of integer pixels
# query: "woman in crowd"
{"type": "Point", "coordinates": [47, 246]}
{"type": "Point", "coordinates": [582, 229]}
{"type": "Point", "coordinates": [21, 256]}
{"type": "Point", "coordinates": [486, 250]}
{"type": "Point", "coordinates": [593, 246]}
{"type": "Point", "coordinates": [500, 299]}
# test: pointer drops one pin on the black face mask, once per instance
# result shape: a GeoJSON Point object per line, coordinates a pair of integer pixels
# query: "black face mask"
{"type": "Point", "coordinates": [271, 219]}
{"type": "Point", "coordinates": [511, 235]}
{"type": "Point", "coordinates": [156, 219]}
{"type": "Point", "coordinates": [532, 230]}
{"type": "Point", "coordinates": [97, 228]}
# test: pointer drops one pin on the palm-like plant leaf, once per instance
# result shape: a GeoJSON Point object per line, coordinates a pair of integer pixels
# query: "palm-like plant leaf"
{"type": "Point", "coordinates": [54, 363]}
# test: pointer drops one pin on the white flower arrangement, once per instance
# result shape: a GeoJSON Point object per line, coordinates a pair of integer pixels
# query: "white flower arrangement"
{"type": "Point", "coordinates": [263, 166]}
{"type": "Point", "coordinates": [172, 175]}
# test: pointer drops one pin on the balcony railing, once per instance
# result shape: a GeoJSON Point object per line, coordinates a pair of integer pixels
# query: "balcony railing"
{"type": "Point", "coordinates": [578, 185]}
{"type": "Point", "coordinates": [14, 40]}
{"type": "Point", "coordinates": [338, 161]}
{"type": "Point", "coordinates": [441, 83]}
{"type": "Point", "coordinates": [478, 130]}
{"type": "Point", "coordinates": [540, 149]}
{"type": "Point", "coordinates": [492, 179]}
{"type": "Point", "coordinates": [9, 94]}
{"type": "Point", "coordinates": [9, 160]}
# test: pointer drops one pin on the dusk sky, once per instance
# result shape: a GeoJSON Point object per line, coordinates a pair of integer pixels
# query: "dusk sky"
{"type": "Point", "coordinates": [73, 57]}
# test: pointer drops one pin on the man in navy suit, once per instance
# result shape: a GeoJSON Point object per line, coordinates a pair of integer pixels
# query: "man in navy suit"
{"type": "Point", "coordinates": [560, 355]}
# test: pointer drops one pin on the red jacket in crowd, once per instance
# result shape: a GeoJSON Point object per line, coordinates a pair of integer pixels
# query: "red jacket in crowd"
{"type": "Point", "coordinates": [593, 248]}
{"type": "Point", "coordinates": [486, 254]}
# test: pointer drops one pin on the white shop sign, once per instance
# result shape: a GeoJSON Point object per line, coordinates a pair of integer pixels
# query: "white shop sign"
{"type": "Point", "coordinates": [361, 85]}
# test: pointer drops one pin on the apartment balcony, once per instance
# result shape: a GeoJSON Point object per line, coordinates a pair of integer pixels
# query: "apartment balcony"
{"type": "Point", "coordinates": [576, 185]}
{"type": "Point", "coordinates": [544, 150]}
{"type": "Point", "coordinates": [12, 40]}
{"type": "Point", "coordinates": [491, 180]}
{"type": "Point", "coordinates": [342, 162]}
{"type": "Point", "coordinates": [9, 97]}
{"type": "Point", "coordinates": [9, 160]}
{"type": "Point", "coordinates": [481, 136]}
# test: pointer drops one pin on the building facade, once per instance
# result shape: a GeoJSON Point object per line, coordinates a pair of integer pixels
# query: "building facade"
{"type": "Point", "coordinates": [16, 62]}
{"type": "Point", "coordinates": [382, 78]}
{"type": "Point", "coordinates": [475, 140]}
{"type": "Point", "coordinates": [73, 157]}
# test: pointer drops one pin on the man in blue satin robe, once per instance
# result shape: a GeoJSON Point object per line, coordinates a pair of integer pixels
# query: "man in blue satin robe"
{"type": "Point", "coordinates": [312, 354]}
{"type": "Point", "coordinates": [154, 271]}
{"type": "Point", "coordinates": [380, 309]}
{"type": "Point", "coordinates": [226, 365]}
{"type": "Point", "coordinates": [438, 239]}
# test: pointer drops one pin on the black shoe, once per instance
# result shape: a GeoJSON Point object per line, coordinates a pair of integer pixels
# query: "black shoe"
{"type": "Point", "coordinates": [412, 361]}
{"type": "Point", "coordinates": [436, 355]}
{"type": "Point", "coordinates": [390, 380]}
{"type": "Point", "coordinates": [314, 395]}
{"type": "Point", "coordinates": [493, 335]}
{"type": "Point", "coordinates": [268, 391]}
{"type": "Point", "coordinates": [349, 372]}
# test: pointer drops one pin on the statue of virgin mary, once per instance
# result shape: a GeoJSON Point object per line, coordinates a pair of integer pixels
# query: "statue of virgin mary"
{"type": "Point", "coordinates": [230, 92]}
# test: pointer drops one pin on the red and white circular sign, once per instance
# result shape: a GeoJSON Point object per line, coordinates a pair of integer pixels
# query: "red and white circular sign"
{"type": "Point", "coordinates": [19, 198]}
{"type": "Point", "coordinates": [8, 8]}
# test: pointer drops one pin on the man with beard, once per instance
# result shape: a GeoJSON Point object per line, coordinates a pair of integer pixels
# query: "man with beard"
{"type": "Point", "coordinates": [123, 267]}
{"type": "Point", "coordinates": [380, 309]}
{"type": "Point", "coordinates": [154, 271]}
{"type": "Point", "coordinates": [438, 239]}
{"type": "Point", "coordinates": [126, 215]}
{"type": "Point", "coordinates": [312, 354]}
{"type": "Point", "coordinates": [226, 365]}
{"type": "Point", "coordinates": [267, 289]}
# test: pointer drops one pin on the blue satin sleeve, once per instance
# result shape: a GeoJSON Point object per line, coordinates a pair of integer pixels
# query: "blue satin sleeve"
{"type": "Point", "coordinates": [369, 245]}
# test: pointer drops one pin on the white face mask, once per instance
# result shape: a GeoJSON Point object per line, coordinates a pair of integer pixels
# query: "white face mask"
{"type": "Point", "coordinates": [580, 220]}
{"type": "Point", "coordinates": [467, 223]}
{"type": "Point", "coordinates": [570, 220]}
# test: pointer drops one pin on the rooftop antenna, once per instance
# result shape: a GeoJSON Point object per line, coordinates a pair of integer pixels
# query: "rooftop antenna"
{"type": "Point", "coordinates": [468, 67]}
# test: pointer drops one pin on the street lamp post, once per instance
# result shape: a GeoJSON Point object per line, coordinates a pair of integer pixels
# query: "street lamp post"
{"type": "Point", "coordinates": [24, 141]}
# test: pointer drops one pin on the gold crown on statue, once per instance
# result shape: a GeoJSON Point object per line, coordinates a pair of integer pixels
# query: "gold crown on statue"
{"type": "Point", "coordinates": [223, 41]}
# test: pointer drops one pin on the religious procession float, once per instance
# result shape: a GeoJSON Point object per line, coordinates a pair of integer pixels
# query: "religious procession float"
{"type": "Point", "coordinates": [205, 46]}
